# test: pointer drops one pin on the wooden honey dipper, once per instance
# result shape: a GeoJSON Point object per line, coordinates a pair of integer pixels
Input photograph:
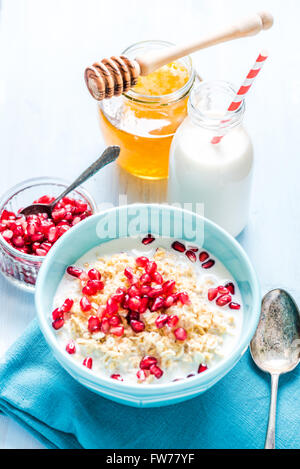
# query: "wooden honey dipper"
{"type": "Point", "coordinates": [113, 76]}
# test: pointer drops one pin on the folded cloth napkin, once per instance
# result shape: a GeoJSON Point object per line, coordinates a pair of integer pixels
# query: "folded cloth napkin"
{"type": "Point", "coordinates": [37, 392]}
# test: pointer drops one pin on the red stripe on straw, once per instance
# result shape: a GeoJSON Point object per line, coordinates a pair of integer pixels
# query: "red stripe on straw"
{"type": "Point", "coordinates": [234, 106]}
{"type": "Point", "coordinates": [243, 90]}
{"type": "Point", "coordinates": [261, 58]}
{"type": "Point", "coordinates": [253, 73]}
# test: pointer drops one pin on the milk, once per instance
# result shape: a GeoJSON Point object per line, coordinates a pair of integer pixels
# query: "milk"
{"type": "Point", "coordinates": [219, 176]}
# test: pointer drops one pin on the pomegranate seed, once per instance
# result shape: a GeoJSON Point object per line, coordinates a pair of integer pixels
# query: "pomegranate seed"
{"type": "Point", "coordinates": [46, 246]}
{"type": "Point", "coordinates": [169, 301]}
{"type": "Point", "coordinates": [119, 295]}
{"type": "Point", "coordinates": [41, 252]}
{"type": "Point", "coordinates": [95, 285]}
{"type": "Point", "coordinates": [7, 234]}
{"type": "Point", "coordinates": [144, 289]}
{"type": "Point", "coordinates": [57, 314]}
{"type": "Point", "coordinates": [18, 241]}
{"type": "Point", "coordinates": [134, 303]}
{"type": "Point", "coordinates": [151, 267]}
{"type": "Point", "coordinates": [137, 326]}
{"type": "Point", "coordinates": [184, 298]}
{"type": "Point", "coordinates": [178, 246]}
{"type": "Point", "coordinates": [80, 206]}
{"type": "Point", "coordinates": [59, 214]}
{"type": "Point", "coordinates": [161, 321]}
{"type": "Point", "coordinates": [62, 230]}
{"type": "Point", "coordinates": [58, 323]}
{"type": "Point", "coordinates": [132, 315]}
{"type": "Point", "coordinates": [117, 377]}
{"type": "Point", "coordinates": [203, 256]}
{"type": "Point", "coordinates": [157, 304]}
{"type": "Point", "coordinates": [88, 362]}
{"type": "Point", "coordinates": [118, 330]}
{"type": "Point", "coordinates": [173, 320]}
{"type": "Point", "coordinates": [180, 333]}
{"type": "Point", "coordinates": [67, 305]}
{"type": "Point", "coordinates": [202, 368]}
{"type": "Point", "coordinates": [169, 287]}
{"type": "Point", "coordinates": [85, 304]}
{"type": "Point", "coordinates": [212, 293]}
{"type": "Point", "coordinates": [111, 307]}
{"type": "Point", "coordinates": [128, 273]}
{"type": "Point", "coordinates": [125, 301]}
{"type": "Point", "coordinates": [208, 264]}
{"type": "Point", "coordinates": [133, 291]}
{"type": "Point", "coordinates": [74, 271]}
{"type": "Point", "coordinates": [191, 255]}
{"type": "Point", "coordinates": [94, 324]}
{"type": "Point", "coordinates": [157, 278]}
{"type": "Point", "coordinates": [142, 261]}
{"type": "Point", "coordinates": [147, 361]}
{"type": "Point", "coordinates": [155, 291]}
{"type": "Point", "coordinates": [145, 278]}
{"type": "Point", "coordinates": [141, 375]}
{"type": "Point", "coordinates": [87, 290]}
{"type": "Point", "coordinates": [156, 371]}
{"type": "Point", "coordinates": [193, 248]}
{"type": "Point", "coordinates": [94, 274]}
{"type": "Point", "coordinates": [223, 290]}
{"type": "Point", "coordinates": [144, 304]}
{"type": "Point", "coordinates": [105, 326]}
{"type": "Point", "coordinates": [149, 239]}
{"type": "Point", "coordinates": [223, 300]}
{"type": "Point", "coordinates": [37, 237]}
{"type": "Point", "coordinates": [233, 305]}
{"type": "Point", "coordinates": [230, 287]}
{"type": "Point", "coordinates": [114, 320]}
{"type": "Point", "coordinates": [52, 234]}
{"type": "Point", "coordinates": [71, 348]}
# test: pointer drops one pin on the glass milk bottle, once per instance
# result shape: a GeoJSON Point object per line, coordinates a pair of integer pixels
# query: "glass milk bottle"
{"type": "Point", "coordinates": [215, 175]}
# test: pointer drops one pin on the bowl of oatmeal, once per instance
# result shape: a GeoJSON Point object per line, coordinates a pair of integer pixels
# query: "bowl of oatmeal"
{"type": "Point", "coordinates": [142, 316]}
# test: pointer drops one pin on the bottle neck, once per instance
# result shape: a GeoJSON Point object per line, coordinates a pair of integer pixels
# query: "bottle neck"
{"type": "Point", "coordinates": [208, 103]}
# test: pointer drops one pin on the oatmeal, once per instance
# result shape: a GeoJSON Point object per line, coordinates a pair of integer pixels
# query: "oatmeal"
{"type": "Point", "coordinates": [159, 311]}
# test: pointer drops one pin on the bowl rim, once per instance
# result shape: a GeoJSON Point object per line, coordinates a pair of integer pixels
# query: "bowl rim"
{"type": "Point", "coordinates": [211, 375]}
{"type": "Point", "coordinates": [23, 185]}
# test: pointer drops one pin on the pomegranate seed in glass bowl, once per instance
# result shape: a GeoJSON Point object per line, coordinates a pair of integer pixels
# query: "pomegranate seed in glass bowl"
{"type": "Point", "coordinates": [21, 254]}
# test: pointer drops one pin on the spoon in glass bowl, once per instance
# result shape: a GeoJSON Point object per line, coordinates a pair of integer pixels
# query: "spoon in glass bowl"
{"type": "Point", "coordinates": [276, 344]}
{"type": "Point", "coordinates": [109, 155]}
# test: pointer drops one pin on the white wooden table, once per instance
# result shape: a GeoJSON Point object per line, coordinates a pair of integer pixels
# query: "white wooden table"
{"type": "Point", "coordinates": [48, 121]}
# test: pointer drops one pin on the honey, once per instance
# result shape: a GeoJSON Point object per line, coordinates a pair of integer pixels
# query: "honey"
{"type": "Point", "coordinates": [143, 121]}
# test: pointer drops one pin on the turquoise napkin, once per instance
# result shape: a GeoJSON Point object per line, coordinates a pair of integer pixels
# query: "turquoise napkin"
{"type": "Point", "coordinates": [43, 398]}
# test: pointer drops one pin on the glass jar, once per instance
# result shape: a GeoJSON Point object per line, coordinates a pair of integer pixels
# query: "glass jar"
{"type": "Point", "coordinates": [215, 175]}
{"type": "Point", "coordinates": [20, 268]}
{"type": "Point", "coordinates": [143, 126]}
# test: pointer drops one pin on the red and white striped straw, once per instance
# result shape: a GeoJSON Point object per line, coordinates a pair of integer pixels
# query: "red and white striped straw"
{"type": "Point", "coordinates": [240, 96]}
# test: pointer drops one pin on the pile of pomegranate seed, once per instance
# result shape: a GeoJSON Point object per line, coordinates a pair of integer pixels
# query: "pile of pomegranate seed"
{"type": "Point", "coordinates": [223, 295]}
{"type": "Point", "coordinates": [206, 262]}
{"type": "Point", "coordinates": [36, 234]}
{"type": "Point", "coordinates": [148, 365]}
{"type": "Point", "coordinates": [59, 314]}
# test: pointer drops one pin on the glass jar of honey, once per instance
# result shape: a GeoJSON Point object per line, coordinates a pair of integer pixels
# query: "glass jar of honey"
{"type": "Point", "coordinates": [144, 119]}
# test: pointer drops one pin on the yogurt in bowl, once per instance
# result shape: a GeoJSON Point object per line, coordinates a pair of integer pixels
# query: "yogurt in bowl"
{"type": "Point", "coordinates": [151, 313]}
{"type": "Point", "coordinates": [152, 320]}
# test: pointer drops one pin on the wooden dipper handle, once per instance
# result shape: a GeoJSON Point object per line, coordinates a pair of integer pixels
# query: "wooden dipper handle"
{"type": "Point", "coordinates": [116, 75]}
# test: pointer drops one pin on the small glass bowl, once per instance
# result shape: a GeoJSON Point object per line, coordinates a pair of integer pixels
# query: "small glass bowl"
{"type": "Point", "coordinates": [19, 268]}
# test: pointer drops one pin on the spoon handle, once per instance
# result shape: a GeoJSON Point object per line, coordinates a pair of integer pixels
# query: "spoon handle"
{"type": "Point", "coordinates": [109, 155]}
{"type": "Point", "coordinates": [270, 438]}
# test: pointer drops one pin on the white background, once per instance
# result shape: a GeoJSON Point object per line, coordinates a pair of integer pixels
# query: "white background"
{"type": "Point", "coordinates": [48, 121]}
